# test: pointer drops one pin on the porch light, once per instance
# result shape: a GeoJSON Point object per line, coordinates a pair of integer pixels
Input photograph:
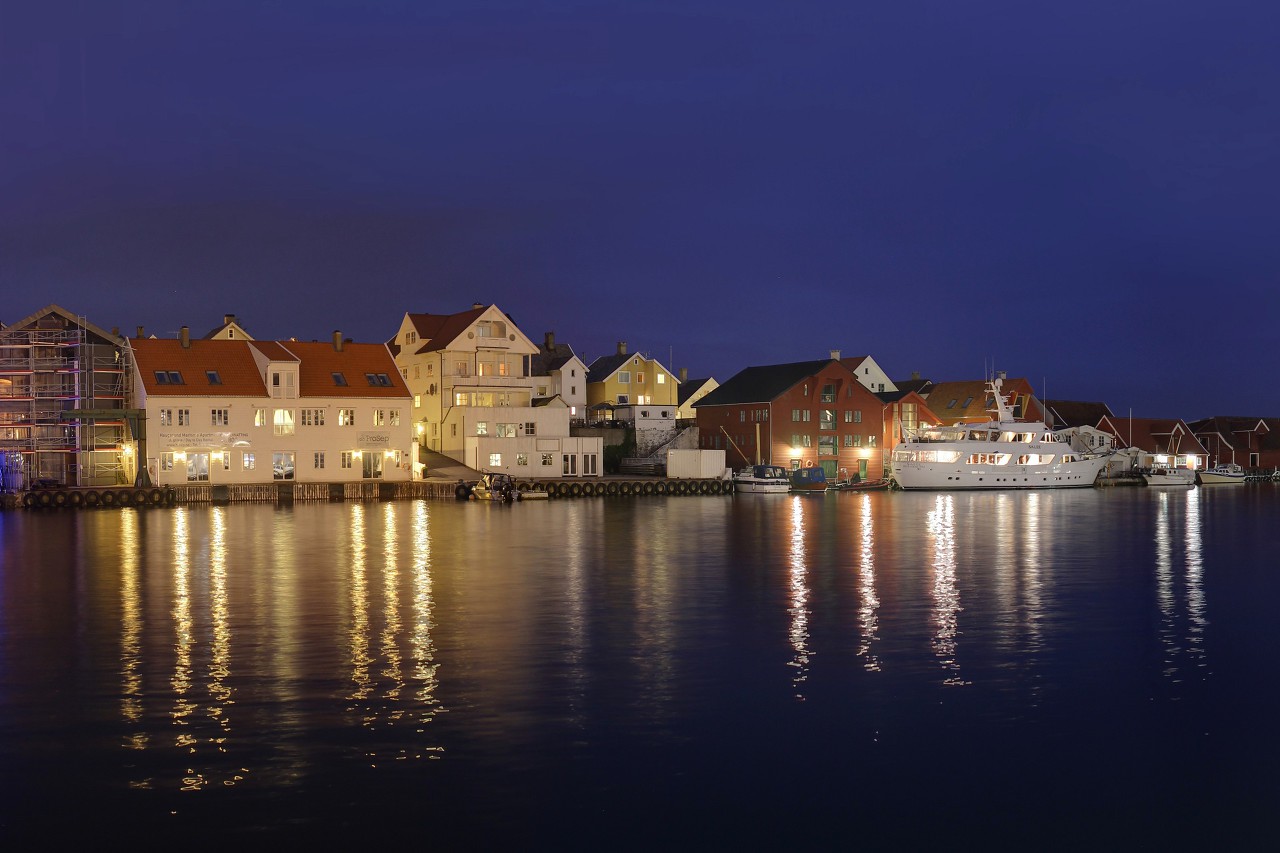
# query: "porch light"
{"type": "Point", "coordinates": [180, 456]}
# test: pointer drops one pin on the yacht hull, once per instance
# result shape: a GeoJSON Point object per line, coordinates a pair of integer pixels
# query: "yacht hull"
{"type": "Point", "coordinates": [1078, 474]}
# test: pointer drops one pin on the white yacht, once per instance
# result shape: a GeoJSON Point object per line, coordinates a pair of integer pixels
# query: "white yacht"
{"type": "Point", "coordinates": [1000, 454]}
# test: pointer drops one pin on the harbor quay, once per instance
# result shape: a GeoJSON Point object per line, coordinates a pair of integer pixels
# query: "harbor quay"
{"type": "Point", "coordinates": [119, 497]}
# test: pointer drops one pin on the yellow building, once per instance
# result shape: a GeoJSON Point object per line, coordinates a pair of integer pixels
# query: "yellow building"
{"type": "Point", "coordinates": [630, 379]}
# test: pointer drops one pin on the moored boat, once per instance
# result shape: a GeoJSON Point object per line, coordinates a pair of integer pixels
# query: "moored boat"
{"type": "Point", "coordinates": [1003, 453]}
{"type": "Point", "coordinates": [1166, 476]}
{"type": "Point", "coordinates": [1221, 474]}
{"type": "Point", "coordinates": [811, 479]}
{"type": "Point", "coordinates": [762, 479]}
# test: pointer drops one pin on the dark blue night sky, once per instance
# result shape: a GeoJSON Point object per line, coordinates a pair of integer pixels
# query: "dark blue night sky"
{"type": "Point", "coordinates": [1081, 193]}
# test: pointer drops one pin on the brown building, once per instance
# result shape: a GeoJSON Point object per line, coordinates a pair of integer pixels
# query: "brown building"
{"type": "Point", "coordinates": [804, 414]}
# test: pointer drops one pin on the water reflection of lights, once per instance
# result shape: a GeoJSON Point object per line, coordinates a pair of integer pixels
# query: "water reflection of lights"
{"type": "Point", "coordinates": [131, 629]}
{"type": "Point", "coordinates": [182, 626]}
{"type": "Point", "coordinates": [869, 602]}
{"type": "Point", "coordinates": [946, 596]}
{"type": "Point", "coordinates": [424, 652]}
{"type": "Point", "coordinates": [1032, 584]}
{"type": "Point", "coordinates": [799, 612]}
{"type": "Point", "coordinates": [1192, 587]}
{"type": "Point", "coordinates": [359, 633]}
{"type": "Point", "coordinates": [220, 653]}
{"type": "Point", "coordinates": [391, 592]}
{"type": "Point", "coordinates": [1196, 604]}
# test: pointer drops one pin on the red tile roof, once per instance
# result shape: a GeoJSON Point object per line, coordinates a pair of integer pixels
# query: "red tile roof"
{"type": "Point", "coordinates": [319, 361]}
{"type": "Point", "coordinates": [231, 359]}
{"type": "Point", "coordinates": [437, 331]}
{"type": "Point", "coordinates": [241, 377]}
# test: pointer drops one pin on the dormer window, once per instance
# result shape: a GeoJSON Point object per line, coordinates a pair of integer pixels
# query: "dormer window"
{"type": "Point", "coordinates": [378, 380]}
{"type": "Point", "coordinates": [214, 377]}
{"type": "Point", "coordinates": [169, 377]}
{"type": "Point", "coordinates": [339, 379]}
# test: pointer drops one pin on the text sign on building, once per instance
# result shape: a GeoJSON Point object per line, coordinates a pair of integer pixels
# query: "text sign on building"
{"type": "Point", "coordinates": [194, 440]}
{"type": "Point", "coordinates": [373, 440]}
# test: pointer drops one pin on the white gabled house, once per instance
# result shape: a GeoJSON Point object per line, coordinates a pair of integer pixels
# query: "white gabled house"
{"type": "Point", "coordinates": [243, 411]}
{"type": "Point", "coordinates": [475, 400]}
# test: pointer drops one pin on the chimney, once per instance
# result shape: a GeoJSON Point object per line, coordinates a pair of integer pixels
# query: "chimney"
{"type": "Point", "coordinates": [228, 319]}
{"type": "Point", "coordinates": [684, 374]}
{"type": "Point", "coordinates": [551, 342]}
{"type": "Point", "coordinates": [337, 340]}
{"type": "Point", "coordinates": [1000, 374]}
{"type": "Point", "coordinates": [835, 355]}
{"type": "Point", "coordinates": [915, 375]}
{"type": "Point", "coordinates": [476, 306]}
{"type": "Point", "coordinates": [622, 347]}
{"type": "Point", "coordinates": [185, 335]}
{"type": "Point", "coordinates": [141, 334]}
{"type": "Point", "coordinates": [115, 330]}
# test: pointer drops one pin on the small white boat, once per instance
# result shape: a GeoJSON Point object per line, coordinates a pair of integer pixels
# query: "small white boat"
{"type": "Point", "coordinates": [764, 479]}
{"type": "Point", "coordinates": [1171, 477]}
{"type": "Point", "coordinates": [1220, 474]}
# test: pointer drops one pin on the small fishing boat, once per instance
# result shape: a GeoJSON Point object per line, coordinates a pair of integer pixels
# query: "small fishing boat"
{"type": "Point", "coordinates": [861, 485]}
{"type": "Point", "coordinates": [811, 479]}
{"type": "Point", "coordinates": [496, 487]}
{"type": "Point", "coordinates": [1222, 474]}
{"type": "Point", "coordinates": [762, 479]}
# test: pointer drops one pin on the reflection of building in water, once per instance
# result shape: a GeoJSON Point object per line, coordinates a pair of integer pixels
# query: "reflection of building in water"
{"type": "Point", "coordinates": [799, 607]}
{"type": "Point", "coordinates": [946, 595]}
{"type": "Point", "coordinates": [183, 706]}
{"type": "Point", "coordinates": [1182, 627]}
{"type": "Point", "coordinates": [869, 602]}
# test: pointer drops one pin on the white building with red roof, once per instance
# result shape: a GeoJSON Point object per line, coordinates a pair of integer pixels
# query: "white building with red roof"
{"type": "Point", "coordinates": [246, 411]}
{"type": "Point", "coordinates": [475, 400]}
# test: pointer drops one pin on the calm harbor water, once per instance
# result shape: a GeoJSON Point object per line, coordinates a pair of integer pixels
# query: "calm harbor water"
{"type": "Point", "coordinates": [1012, 670]}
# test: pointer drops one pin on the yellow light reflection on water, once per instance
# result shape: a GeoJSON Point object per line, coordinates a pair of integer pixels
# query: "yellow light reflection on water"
{"type": "Point", "coordinates": [131, 625]}
{"type": "Point", "coordinates": [183, 707]}
{"type": "Point", "coordinates": [424, 652]}
{"type": "Point", "coordinates": [798, 632]}
{"type": "Point", "coordinates": [391, 594]}
{"type": "Point", "coordinates": [220, 651]}
{"type": "Point", "coordinates": [359, 631]}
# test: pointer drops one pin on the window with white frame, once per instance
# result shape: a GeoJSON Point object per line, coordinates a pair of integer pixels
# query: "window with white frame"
{"type": "Point", "coordinates": [346, 417]}
{"type": "Point", "coordinates": [495, 460]}
{"type": "Point", "coordinates": [624, 377]}
{"type": "Point", "coordinates": [283, 420]}
{"type": "Point", "coordinates": [247, 461]}
{"type": "Point", "coordinates": [166, 461]}
{"type": "Point", "coordinates": [219, 417]}
{"type": "Point", "coordinates": [345, 460]}
{"type": "Point", "coordinates": [318, 459]}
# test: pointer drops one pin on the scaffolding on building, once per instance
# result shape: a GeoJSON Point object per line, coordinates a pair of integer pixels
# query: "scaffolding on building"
{"type": "Point", "coordinates": [45, 373]}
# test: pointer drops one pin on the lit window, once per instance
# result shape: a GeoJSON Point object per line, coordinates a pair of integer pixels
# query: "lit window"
{"type": "Point", "coordinates": [522, 459]}
{"type": "Point", "coordinates": [166, 461]}
{"type": "Point", "coordinates": [495, 460]}
{"type": "Point", "coordinates": [284, 422]}
{"type": "Point", "coordinates": [662, 378]}
{"type": "Point", "coordinates": [259, 417]}
{"type": "Point", "coordinates": [346, 417]}
{"type": "Point", "coordinates": [482, 428]}
{"type": "Point", "coordinates": [247, 461]}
